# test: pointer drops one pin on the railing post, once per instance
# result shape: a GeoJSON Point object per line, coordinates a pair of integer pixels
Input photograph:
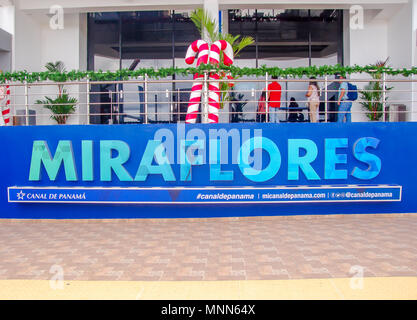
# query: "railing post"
{"type": "Point", "coordinates": [120, 98]}
{"type": "Point", "coordinates": [204, 116]}
{"type": "Point", "coordinates": [326, 105]}
{"type": "Point", "coordinates": [111, 106]}
{"type": "Point", "coordinates": [146, 98]}
{"type": "Point", "coordinates": [178, 106]}
{"type": "Point", "coordinates": [384, 97]}
{"type": "Point", "coordinates": [266, 99]}
{"type": "Point", "coordinates": [171, 106]}
{"type": "Point", "coordinates": [26, 103]}
{"type": "Point", "coordinates": [88, 100]}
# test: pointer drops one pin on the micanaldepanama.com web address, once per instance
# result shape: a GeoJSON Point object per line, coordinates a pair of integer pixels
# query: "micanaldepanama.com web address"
{"type": "Point", "coordinates": [286, 195]}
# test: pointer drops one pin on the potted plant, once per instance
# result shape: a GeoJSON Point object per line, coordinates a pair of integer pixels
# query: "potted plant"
{"type": "Point", "coordinates": [62, 106]}
{"type": "Point", "coordinates": [372, 95]}
{"type": "Point", "coordinates": [237, 103]}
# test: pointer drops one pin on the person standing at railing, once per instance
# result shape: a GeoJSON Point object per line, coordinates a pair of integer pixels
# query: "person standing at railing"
{"type": "Point", "coordinates": [274, 101]}
{"type": "Point", "coordinates": [313, 99]}
{"type": "Point", "coordinates": [261, 112]}
{"type": "Point", "coordinates": [343, 101]}
{"type": "Point", "coordinates": [332, 97]}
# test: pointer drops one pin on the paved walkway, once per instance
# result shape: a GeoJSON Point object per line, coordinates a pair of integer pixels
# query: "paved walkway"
{"type": "Point", "coordinates": [273, 248]}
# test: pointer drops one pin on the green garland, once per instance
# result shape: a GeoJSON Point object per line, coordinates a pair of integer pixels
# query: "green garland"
{"type": "Point", "coordinates": [124, 74]}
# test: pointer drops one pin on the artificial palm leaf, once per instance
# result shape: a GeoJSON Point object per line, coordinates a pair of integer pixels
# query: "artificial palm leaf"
{"type": "Point", "coordinates": [243, 43]}
{"type": "Point", "coordinates": [55, 66]}
{"type": "Point", "coordinates": [203, 21]}
{"type": "Point", "coordinates": [63, 105]}
{"type": "Point", "coordinates": [372, 95]}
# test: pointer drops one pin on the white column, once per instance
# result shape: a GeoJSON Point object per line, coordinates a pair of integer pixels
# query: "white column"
{"type": "Point", "coordinates": [212, 8]}
{"type": "Point", "coordinates": [225, 21]}
{"type": "Point", "coordinates": [413, 116]}
{"type": "Point", "coordinates": [7, 18]}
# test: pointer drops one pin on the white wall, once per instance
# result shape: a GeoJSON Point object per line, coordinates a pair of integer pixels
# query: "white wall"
{"type": "Point", "coordinates": [26, 54]}
{"type": "Point", "coordinates": [363, 47]}
{"type": "Point", "coordinates": [7, 19]}
{"type": "Point", "coordinates": [5, 50]}
{"type": "Point", "coordinates": [27, 43]}
{"type": "Point", "coordinates": [37, 44]}
{"type": "Point", "coordinates": [386, 35]}
{"type": "Point", "coordinates": [401, 52]}
{"type": "Point", "coordinates": [414, 44]}
{"type": "Point", "coordinates": [6, 37]}
{"type": "Point", "coordinates": [64, 45]}
{"type": "Point", "coordinates": [106, 5]}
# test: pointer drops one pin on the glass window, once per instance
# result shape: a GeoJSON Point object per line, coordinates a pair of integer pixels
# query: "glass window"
{"type": "Point", "coordinates": [146, 42]}
{"type": "Point", "coordinates": [288, 38]}
{"type": "Point", "coordinates": [104, 41]}
{"type": "Point", "coordinates": [103, 54]}
{"type": "Point", "coordinates": [143, 39]}
{"type": "Point", "coordinates": [159, 39]}
{"type": "Point", "coordinates": [326, 37]}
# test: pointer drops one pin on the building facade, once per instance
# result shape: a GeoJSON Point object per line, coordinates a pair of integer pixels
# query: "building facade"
{"type": "Point", "coordinates": [113, 34]}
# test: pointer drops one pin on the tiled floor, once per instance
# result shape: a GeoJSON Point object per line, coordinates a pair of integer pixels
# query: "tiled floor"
{"type": "Point", "coordinates": [210, 249]}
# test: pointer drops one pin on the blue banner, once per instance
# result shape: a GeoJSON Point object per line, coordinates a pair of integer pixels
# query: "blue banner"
{"type": "Point", "coordinates": [144, 171]}
{"type": "Point", "coordinates": [205, 195]}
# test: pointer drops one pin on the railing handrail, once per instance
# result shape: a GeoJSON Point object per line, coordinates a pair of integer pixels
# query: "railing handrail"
{"type": "Point", "coordinates": [29, 92]}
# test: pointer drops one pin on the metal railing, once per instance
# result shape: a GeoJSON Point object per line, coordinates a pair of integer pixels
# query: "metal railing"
{"type": "Point", "coordinates": [147, 101]}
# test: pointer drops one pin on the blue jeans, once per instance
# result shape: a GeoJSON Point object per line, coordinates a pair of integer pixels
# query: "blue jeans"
{"type": "Point", "coordinates": [274, 115]}
{"type": "Point", "coordinates": [344, 111]}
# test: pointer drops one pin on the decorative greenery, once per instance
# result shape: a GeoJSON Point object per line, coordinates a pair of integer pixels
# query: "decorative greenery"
{"type": "Point", "coordinates": [63, 105]}
{"type": "Point", "coordinates": [125, 74]}
{"type": "Point", "coordinates": [372, 95]}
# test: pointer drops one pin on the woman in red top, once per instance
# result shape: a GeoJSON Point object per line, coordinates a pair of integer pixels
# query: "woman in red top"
{"type": "Point", "coordinates": [274, 101]}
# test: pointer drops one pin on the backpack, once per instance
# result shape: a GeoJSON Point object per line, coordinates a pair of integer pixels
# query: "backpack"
{"type": "Point", "coordinates": [352, 94]}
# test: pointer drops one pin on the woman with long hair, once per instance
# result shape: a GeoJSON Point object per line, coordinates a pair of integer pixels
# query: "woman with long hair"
{"type": "Point", "coordinates": [313, 98]}
{"type": "Point", "coordinates": [261, 112]}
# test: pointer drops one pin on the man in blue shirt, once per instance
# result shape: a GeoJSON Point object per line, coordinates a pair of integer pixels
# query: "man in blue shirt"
{"type": "Point", "coordinates": [344, 104]}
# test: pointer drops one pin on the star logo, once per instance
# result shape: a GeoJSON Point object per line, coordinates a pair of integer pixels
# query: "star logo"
{"type": "Point", "coordinates": [21, 195]}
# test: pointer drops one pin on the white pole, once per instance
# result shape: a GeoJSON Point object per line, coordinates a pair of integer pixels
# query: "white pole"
{"type": "Point", "coordinates": [146, 98]}
{"type": "Point", "coordinates": [204, 116]}
{"type": "Point", "coordinates": [88, 100]}
{"type": "Point", "coordinates": [384, 98]}
{"type": "Point", "coordinates": [266, 98]}
{"type": "Point", "coordinates": [326, 106]}
{"type": "Point", "coordinates": [26, 103]}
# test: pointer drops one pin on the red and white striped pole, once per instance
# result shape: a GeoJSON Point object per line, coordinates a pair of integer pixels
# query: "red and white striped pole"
{"type": "Point", "coordinates": [5, 104]}
{"type": "Point", "coordinates": [201, 48]}
{"type": "Point", "coordinates": [214, 87]}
